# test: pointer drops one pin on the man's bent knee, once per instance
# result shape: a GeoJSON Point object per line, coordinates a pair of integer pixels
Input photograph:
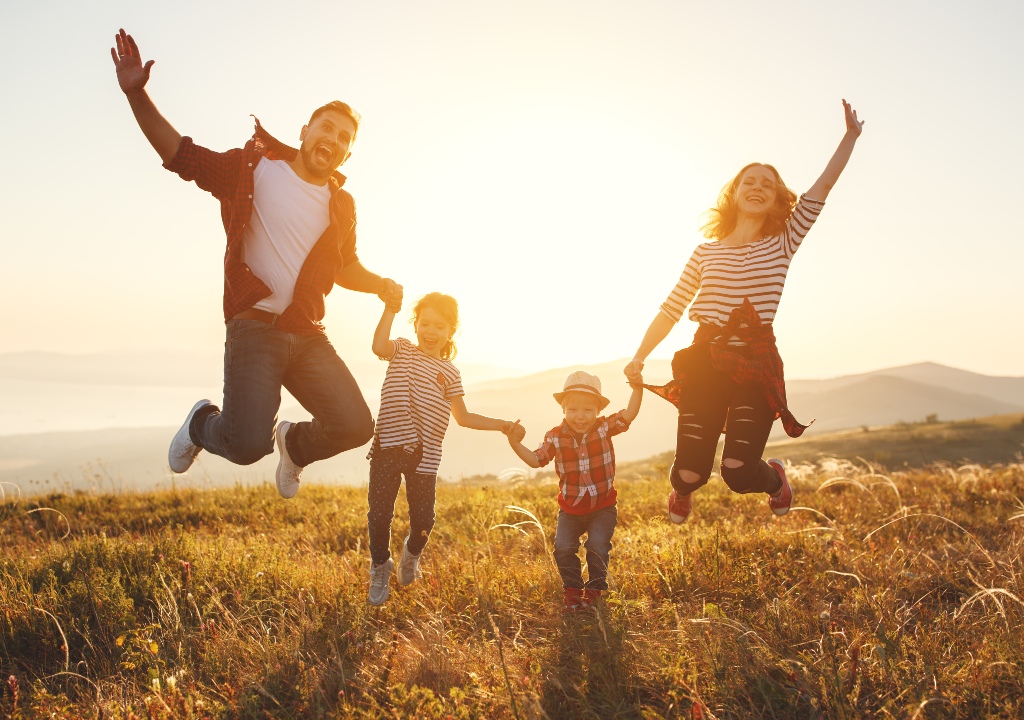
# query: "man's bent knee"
{"type": "Point", "coordinates": [247, 453]}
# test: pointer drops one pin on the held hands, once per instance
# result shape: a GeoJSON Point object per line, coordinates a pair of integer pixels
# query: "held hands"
{"type": "Point", "coordinates": [391, 295]}
{"type": "Point", "coordinates": [633, 376]}
{"type": "Point", "coordinates": [632, 371]}
{"type": "Point", "coordinates": [132, 75]}
{"type": "Point", "coordinates": [853, 125]}
{"type": "Point", "coordinates": [514, 431]}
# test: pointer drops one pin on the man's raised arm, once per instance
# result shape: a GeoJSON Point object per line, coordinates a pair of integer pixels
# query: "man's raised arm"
{"type": "Point", "coordinates": [132, 76]}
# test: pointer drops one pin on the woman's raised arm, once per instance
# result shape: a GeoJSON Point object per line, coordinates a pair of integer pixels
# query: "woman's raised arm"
{"type": "Point", "coordinates": [820, 189]}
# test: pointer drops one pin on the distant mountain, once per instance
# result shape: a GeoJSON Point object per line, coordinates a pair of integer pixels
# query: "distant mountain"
{"type": "Point", "coordinates": [137, 457]}
{"type": "Point", "coordinates": [883, 400]}
{"type": "Point", "coordinates": [1004, 389]}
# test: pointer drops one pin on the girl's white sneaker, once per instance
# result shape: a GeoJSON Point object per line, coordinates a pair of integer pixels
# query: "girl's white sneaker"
{"type": "Point", "coordinates": [380, 576]}
{"type": "Point", "coordinates": [409, 565]}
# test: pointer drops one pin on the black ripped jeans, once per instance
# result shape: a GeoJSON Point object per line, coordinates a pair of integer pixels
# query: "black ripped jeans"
{"type": "Point", "coordinates": [711, 399]}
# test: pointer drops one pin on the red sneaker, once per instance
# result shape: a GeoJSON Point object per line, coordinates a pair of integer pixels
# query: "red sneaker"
{"type": "Point", "coordinates": [572, 599]}
{"type": "Point", "coordinates": [781, 501]}
{"type": "Point", "coordinates": [590, 597]}
{"type": "Point", "coordinates": [678, 507]}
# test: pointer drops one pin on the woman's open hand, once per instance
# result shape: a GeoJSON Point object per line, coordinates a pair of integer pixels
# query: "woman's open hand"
{"type": "Point", "coordinates": [853, 125]}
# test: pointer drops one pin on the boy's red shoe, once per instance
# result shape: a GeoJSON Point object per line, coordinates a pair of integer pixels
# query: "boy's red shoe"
{"type": "Point", "coordinates": [679, 507]}
{"type": "Point", "coordinates": [590, 596]}
{"type": "Point", "coordinates": [782, 500]}
{"type": "Point", "coordinates": [572, 599]}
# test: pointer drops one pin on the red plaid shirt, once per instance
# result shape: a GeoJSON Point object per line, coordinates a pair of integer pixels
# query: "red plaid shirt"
{"type": "Point", "coordinates": [758, 363]}
{"type": "Point", "coordinates": [585, 466]}
{"type": "Point", "coordinates": [228, 176]}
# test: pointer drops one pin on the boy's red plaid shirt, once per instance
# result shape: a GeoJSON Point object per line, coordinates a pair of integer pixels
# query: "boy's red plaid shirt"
{"type": "Point", "coordinates": [585, 466]}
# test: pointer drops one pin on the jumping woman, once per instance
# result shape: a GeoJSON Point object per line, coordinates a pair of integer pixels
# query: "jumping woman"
{"type": "Point", "coordinates": [731, 375]}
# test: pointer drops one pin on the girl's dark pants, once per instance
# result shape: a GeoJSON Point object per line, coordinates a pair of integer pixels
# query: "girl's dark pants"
{"type": "Point", "coordinates": [599, 526]}
{"type": "Point", "coordinates": [387, 466]}
{"type": "Point", "coordinates": [709, 396]}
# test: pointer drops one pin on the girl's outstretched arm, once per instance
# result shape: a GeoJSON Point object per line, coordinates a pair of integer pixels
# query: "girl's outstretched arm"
{"type": "Point", "coordinates": [820, 189]}
{"type": "Point", "coordinates": [383, 346]}
{"type": "Point", "coordinates": [477, 422]}
{"type": "Point", "coordinates": [515, 441]}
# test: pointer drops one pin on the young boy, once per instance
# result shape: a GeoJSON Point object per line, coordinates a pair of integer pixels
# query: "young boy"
{"type": "Point", "coordinates": [585, 463]}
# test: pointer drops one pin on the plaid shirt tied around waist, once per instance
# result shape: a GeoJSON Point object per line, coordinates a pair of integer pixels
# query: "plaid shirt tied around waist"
{"type": "Point", "coordinates": [229, 177]}
{"type": "Point", "coordinates": [758, 363]}
{"type": "Point", "coordinates": [585, 466]}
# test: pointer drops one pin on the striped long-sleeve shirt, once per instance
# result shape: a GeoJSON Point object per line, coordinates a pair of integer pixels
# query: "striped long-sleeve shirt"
{"type": "Point", "coordinates": [720, 276]}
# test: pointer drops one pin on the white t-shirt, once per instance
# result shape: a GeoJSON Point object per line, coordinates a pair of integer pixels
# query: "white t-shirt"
{"type": "Point", "coordinates": [288, 216]}
{"type": "Point", "coordinates": [415, 402]}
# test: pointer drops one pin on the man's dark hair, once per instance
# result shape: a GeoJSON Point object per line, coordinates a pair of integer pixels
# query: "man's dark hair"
{"type": "Point", "coordinates": [338, 106]}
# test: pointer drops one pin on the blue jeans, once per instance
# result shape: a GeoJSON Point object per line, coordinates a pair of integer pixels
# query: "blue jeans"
{"type": "Point", "coordinates": [258, 361]}
{"type": "Point", "coordinates": [599, 526]}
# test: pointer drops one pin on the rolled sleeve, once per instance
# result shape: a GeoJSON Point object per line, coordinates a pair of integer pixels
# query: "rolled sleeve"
{"type": "Point", "coordinates": [214, 172]}
{"type": "Point", "coordinates": [617, 423]}
{"type": "Point", "coordinates": [545, 452]}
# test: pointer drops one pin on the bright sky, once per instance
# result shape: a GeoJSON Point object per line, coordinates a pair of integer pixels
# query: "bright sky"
{"type": "Point", "coordinates": [546, 162]}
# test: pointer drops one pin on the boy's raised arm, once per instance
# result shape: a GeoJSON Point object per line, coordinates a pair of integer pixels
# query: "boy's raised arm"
{"type": "Point", "coordinates": [633, 407]}
{"type": "Point", "coordinates": [132, 77]}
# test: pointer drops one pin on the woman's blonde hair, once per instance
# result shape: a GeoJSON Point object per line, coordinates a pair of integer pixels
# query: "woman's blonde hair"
{"type": "Point", "coordinates": [721, 220]}
{"type": "Point", "coordinates": [445, 306]}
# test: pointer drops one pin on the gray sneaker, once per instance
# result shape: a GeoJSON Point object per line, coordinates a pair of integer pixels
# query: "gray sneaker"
{"type": "Point", "coordinates": [409, 565]}
{"type": "Point", "coordinates": [182, 452]}
{"type": "Point", "coordinates": [380, 576]}
{"type": "Point", "coordinates": [287, 471]}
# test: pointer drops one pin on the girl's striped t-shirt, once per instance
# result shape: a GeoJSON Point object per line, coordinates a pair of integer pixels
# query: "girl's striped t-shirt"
{"type": "Point", "coordinates": [721, 276]}
{"type": "Point", "coordinates": [415, 402]}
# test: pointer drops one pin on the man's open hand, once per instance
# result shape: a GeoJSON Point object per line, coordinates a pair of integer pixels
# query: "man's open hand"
{"type": "Point", "coordinates": [132, 75]}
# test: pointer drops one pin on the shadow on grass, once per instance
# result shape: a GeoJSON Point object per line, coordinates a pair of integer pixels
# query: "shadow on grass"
{"type": "Point", "coordinates": [585, 676]}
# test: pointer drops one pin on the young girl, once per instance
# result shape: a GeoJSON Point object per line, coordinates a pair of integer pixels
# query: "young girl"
{"type": "Point", "coordinates": [421, 388]}
{"type": "Point", "coordinates": [732, 372]}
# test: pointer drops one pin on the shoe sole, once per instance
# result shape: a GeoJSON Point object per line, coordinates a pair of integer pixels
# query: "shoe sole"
{"type": "Point", "coordinates": [279, 437]}
{"type": "Point", "coordinates": [185, 429]}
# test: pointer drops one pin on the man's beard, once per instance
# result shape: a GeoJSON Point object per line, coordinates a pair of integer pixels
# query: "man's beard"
{"type": "Point", "coordinates": [314, 169]}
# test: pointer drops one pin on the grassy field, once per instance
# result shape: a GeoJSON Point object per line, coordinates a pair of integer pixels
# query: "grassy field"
{"type": "Point", "coordinates": [880, 595]}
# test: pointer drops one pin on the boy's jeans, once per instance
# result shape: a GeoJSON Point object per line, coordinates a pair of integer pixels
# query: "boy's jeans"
{"type": "Point", "coordinates": [258, 361]}
{"type": "Point", "coordinates": [599, 526]}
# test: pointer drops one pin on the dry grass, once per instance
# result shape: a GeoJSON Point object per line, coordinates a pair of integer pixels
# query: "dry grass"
{"type": "Point", "coordinates": [895, 595]}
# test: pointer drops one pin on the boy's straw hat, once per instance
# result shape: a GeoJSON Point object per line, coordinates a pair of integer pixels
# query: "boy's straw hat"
{"type": "Point", "coordinates": [583, 382]}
